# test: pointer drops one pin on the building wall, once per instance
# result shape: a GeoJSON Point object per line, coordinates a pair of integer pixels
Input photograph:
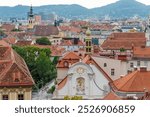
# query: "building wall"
{"type": "Point", "coordinates": [61, 74]}
{"type": "Point", "coordinates": [120, 67]}
{"type": "Point", "coordinates": [145, 63]}
{"type": "Point", "coordinates": [73, 48]}
{"type": "Point", "coordinates": [13, 93]}
{"type": "Point", "coordinates": [95, 83]}
{"type": "Point", "coordinates": [55, 41]}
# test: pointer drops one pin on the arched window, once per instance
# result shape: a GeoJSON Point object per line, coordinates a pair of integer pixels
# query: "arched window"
{"type": "Point", "coordinates": [89, 43]}
{"type": "Point", "coordinates": [66, 64]}
{"type": "Point", "coordinates": [80, 86]}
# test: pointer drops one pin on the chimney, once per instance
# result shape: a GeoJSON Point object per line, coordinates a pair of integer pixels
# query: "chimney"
{"type": "Point", "coordinates": [143, 68]}
{"type": "Point", "coordinates": [135, 68]}
{"type": "Point", "coordinates": [121, 76]}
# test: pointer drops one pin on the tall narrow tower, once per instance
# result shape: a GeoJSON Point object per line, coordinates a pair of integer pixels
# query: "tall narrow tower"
{"type": "Point", "coordinates": [31, 20]}
{"type": "Point", "coordinates": [147, 32]}
{"type": "Point", "coordinates": [88, 42]}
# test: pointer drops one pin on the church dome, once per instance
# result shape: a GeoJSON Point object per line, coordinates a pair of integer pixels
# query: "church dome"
{"type": "Point", "coordinates": [88, 32]}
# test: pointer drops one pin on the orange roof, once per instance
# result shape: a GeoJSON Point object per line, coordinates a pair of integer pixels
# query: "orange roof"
{"type": "Point", "coordinates": [112, 96]}
{"type": "Point", "coordinates": [70, 58]}
{"type": "Point", "coordinates": [13, 69]}
{"type": "Point", "coordinates": [62, 83]}
{"type": "Point", "coordinates": [71, 43]}
{"type": "Point", "coordinates": [136, 81]}
{"type": "Point", "coordinates": [8, 27]}
{"type": "Point", "coordinates": [23, 43]}
{"type": "Point", "coordinates": [141, 52]}
{"type": "Point", "coordinates": [4, 43]}
{"type": "Point", "coordinates": [124, 40]}
{"type": "Point", "coordinates": [71, 55]}
{"type": "Point", "coordinates": [66, 43]}
{"type": "Point", "coordinates": [10, 39]}
{"type": "Point", "coordinates": [55, 50]}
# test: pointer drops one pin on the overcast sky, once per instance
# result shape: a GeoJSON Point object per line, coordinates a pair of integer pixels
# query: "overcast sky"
{"type": "Point", "coordinates": [85, 3]}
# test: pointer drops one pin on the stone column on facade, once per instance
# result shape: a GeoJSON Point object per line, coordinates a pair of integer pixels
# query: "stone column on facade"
{"type": "Point", "coordinates": [69, 84]}
{"type": "Point", "coordinates": [90, 86]}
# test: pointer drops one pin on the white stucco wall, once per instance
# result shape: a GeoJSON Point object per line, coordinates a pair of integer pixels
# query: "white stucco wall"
{"type": "Point", "coordinates": [119, 66]}
{"type": "Point", "coordinates": [91, 75]}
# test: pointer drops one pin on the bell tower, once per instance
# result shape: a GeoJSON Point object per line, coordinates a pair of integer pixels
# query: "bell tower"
{"type": "Point", "coordinates": [31, 20]}
{"type": "Point", "coordinates": [88, 42]}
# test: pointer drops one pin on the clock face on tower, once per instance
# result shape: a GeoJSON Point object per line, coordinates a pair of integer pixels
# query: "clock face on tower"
{"type": "Point", "coordinates": [80, 70]}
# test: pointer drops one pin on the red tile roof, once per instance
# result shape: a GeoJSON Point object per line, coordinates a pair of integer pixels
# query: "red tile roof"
{"type": "Point", "coordinates": [70, 58]}
{"type": "Point", "coordinates": [43, 30]}
{"type": "Point", "coordinates": [72, 55]}
{"type": "Point", "coordinates": [23, 43]}
{"type": "Point", "coordinates": [71, 43]}
{"type": "Point", "coordinates": [141, 52]}
{"type": "Point", "coordinates": [8, 27]}
{"type": "Point", "coordinates": [10, 39]}
{"type": "Point", "coordinates": [112, 96]}
{"type": "Point", "coordinates": [13, 69]}
{"type": "Point", "coordinates": [137, 81]}
{"type": "Point", "coordinates": [124, 40]}
{"type": "Point", "coordinates": [55, 50]}
{"type": "Point", "coordinates": [70, 28]}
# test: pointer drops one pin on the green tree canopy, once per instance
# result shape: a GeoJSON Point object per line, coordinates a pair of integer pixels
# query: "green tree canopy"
{"type": "Point", "coordinates": [43, 41]}
{"type": "Point", "coordinates": [39, 63]}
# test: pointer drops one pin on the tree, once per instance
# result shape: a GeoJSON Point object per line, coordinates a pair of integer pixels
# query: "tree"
{"type": "Point", "coordinates": [51, 90]}
{"type": "Point", "coordinates": [45, 68]}
{"type": "Point", "coordinates": [39, 64]}
{"type": "Point", "coordinates": [122, 50]}
{"type": "Point", "coordinates": [43, 41]}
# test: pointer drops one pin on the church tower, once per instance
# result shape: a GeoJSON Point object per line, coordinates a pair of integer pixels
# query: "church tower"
{"type": "Point", "coordinates": [88, 42]}
{"type": "Point", "coordinates": [147, 32]}
{"type": "Point", "coordinates": [31, 20]}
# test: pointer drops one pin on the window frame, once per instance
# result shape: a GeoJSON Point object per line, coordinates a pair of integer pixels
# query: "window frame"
{"type": "Point", "coordinates": [20, 96]}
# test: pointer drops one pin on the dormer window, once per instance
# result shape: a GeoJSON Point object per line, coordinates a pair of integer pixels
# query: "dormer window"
{"type": "Point", "coordinates": [16, 76]}
{"type": "Point", "coordinates": [66, 64]}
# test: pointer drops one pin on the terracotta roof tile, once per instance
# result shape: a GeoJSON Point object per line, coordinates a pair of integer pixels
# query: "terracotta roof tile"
{"type": "Point", "coordinates": [141, 52]}
{"type": "Point", "coordinates": [55, 50]}
{"type": "Point", "coordinates": [124, 40]}
{"type": "Point", "coordinates": [136, 81]}
{"type": "Point", "coordinates": [69, 58]}
{"type": "Point", "coordinates": [23, 43]}
{"type": "Point", "coordinates": [8, 27]}
{"type": "Point", "coordinates": [14, 71]}
{"type": "Point", "coordinates": [42, 30]}
{"type": "Point", "coordinates": [71, 55]}
{"type": "Point", "coordinates": [112, 96]}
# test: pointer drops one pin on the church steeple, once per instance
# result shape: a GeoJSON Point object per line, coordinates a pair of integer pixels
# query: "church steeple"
{"type": "Point", "coordinates": [31, 19]}
{"type": "Point", "coordinates": [88, 42]}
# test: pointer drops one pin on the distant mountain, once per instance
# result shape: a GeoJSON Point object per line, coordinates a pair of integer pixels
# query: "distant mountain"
{"type": "Point", "coordinates": [123, 8]}
{"type": "Point", "coordinates": [119, 9]}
